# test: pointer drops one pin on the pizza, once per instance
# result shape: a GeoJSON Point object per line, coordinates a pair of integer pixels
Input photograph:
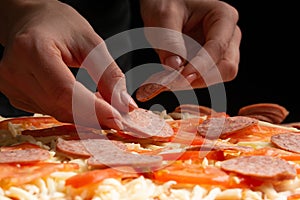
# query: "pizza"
{"type": "Point", "coordinates": [192, 153]}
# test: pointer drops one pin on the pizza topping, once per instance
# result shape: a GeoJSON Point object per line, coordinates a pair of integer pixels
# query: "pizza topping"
{"type": "Point", "coordinates": [141, 123]}
{"type": "Point", "coordinates": [66, 131]}
{"type": "Point", "coordinates": [157, 83]}
{"type": "Point", "coordinates": [122, 158]}
{"type": "Point", "coordinates": [287, 141]}
{"type": "Point", "coordinates": [24, 156]}
{"type": "Point", "coordinates": [13, 175]}
{"type": "Point", "coordinates": [86, 148]}
{"type": "Point", "coordinates": [214, 128]}
{"type": "Point", "coordinates": [194, 109]}
{"type": "Point", "coordinates": [269, 112]}
{"type": "Point", "coordinates": [106, 153]}
{"type": "Point", "coordinates": [98, 175]}
{"type": "Point", "coordinates": [260, 167]}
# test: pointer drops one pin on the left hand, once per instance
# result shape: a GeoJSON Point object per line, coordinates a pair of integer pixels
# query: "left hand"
{"type": "Point", "coordinates": [211, 23]}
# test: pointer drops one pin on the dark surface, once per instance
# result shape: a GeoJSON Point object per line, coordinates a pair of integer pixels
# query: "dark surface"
{"type": "Point", "coordinates": [268, 65]}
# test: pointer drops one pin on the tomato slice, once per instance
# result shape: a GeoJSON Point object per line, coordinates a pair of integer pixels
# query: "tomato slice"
{"type": "Point", "coordinates": [274, 152]}
{"type": "Point", "coordinates": [209, 176]}
{"type": "Point", "coordinates": [194, 155]}
{"type": "Point", "coordinates": [255, 132]}
{"type": "Point", "coordinates": [15, 175]}
{"type": "Point", "coordinates": [98, 175]}
{"type": "Point", "coordinates": [193, 174]}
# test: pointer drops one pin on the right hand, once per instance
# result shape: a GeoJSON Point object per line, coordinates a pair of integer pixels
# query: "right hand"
{"type": "Point", "coordinates": [42, 39]}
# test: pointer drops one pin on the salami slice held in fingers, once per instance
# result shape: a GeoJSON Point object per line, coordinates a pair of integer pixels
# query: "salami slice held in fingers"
{"type": "Point", "coordinates": [24, 156]}
{"type": "Point", "coordinates": [260, 167]}
{"type": "Point", "coordinates": [157, 83]}
{"type": "Point", "coordinates": [287, 141]}
{"type": "Point", "coordinates": [214, 128]}
{"type": "Point", "coordinates": [141, 123]}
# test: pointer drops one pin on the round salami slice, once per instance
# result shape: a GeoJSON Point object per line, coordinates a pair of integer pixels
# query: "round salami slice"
{"type": "Point", "coordinates": [24, 156]}
{"type": "Point", "coordinates": [121, 158]}
{"type": "Point", "coordinates": [214, 128]}
{"type": "Point", "coordinates": [141, 123]}
{"type": "Point", "coordinates": [88, 147]}
{"type": "Point", "coordinates": [73, 148]}
{"type": "Point", "coordinates": [261, 167]}
{"type": "Point", "coordinates": [287, 141]}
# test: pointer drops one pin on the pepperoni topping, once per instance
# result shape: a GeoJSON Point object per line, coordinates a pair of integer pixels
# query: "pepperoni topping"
{"type": "Point", "coordinates": [87, 148]}
{"type": "Point", "coordinates": [106, 153]}
{"type": "Point", "coordinates": [24, 156]}
{"type": "Point", "coordinates": [122, 158]}
{"type": "Point", "coordinates": [141, 123]}
{"type": "Point", "coordinates": [157, 83]}
{"type": "Point", "coordinates": [221, 127]}
{"type": "Point", "coordinates": [194, 109]}
{"type": "Point", "coordinates": [268, 112]}
{"type": "Point", "coordinates": [260, 167]}
{"type": "Point", "coordinates": [287, 141]}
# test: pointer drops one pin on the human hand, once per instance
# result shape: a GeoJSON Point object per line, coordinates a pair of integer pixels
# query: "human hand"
{"type": "Point", "coordinates": [211, 23]}
{"type": "Point", "coordinates": [43, 38]}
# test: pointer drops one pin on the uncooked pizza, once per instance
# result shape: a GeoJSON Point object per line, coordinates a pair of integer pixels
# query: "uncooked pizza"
{"type": "Point", "coordinates": [191, 153]}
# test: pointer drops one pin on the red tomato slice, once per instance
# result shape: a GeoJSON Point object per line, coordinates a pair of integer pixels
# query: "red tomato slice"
{"type": "Point", "coordinates": [184, 173]}
{"type": "Point", "coordinates": [255, 133]}
{"type": "Point", "coordinates": [98, 175]}
{"type": "Point", "coordinates": [15, 175]}
{"type": "Point", "coordinates": [194, 155]}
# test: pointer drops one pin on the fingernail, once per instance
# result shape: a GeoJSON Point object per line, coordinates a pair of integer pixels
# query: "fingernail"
{"type": "Point", "coordinates": [128, 100]}
{"type": "Point", "coordinates": [174, 62]}
{"type": "Point", "coordinates": [191, 77]}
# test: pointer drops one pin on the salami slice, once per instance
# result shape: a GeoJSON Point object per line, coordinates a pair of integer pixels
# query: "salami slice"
{"type": "Point", "coordinates": [269, 112]}
{"type": "Point", "coordinates": [267, 168]}
{"type": "Point", "coordinates": [214, 128]}
{"type": "Point", "coordinates": [121, 158]}
{"type": "Point", "coordinates": [194, 109]}
{"type": "Point", "coordinates": [157, 83]}
{"type": "Point", "coordinates": [88, 147]}
{"type": "Point", "coordinates": [141, 123]}
{"type": "Point", "coordinates": [287, 141]}
{"type": "Point", "coordinates": [24, 156]}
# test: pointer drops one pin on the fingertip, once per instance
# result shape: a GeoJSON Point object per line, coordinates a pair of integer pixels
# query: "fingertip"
{"type": "Point", "coordinates": [173, 61]}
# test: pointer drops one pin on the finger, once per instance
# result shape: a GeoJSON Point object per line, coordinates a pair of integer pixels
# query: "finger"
{"type": "Point", "coordinates": [168, 39]}
{"type": "Point", "coordinates": [68, 100]}
{"type": "Point", "coordinates": [111, 80]}
{"type": "Point", "coordinates": [227, 68]}
{"type": "Point", "coordinates": [219, 28]}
